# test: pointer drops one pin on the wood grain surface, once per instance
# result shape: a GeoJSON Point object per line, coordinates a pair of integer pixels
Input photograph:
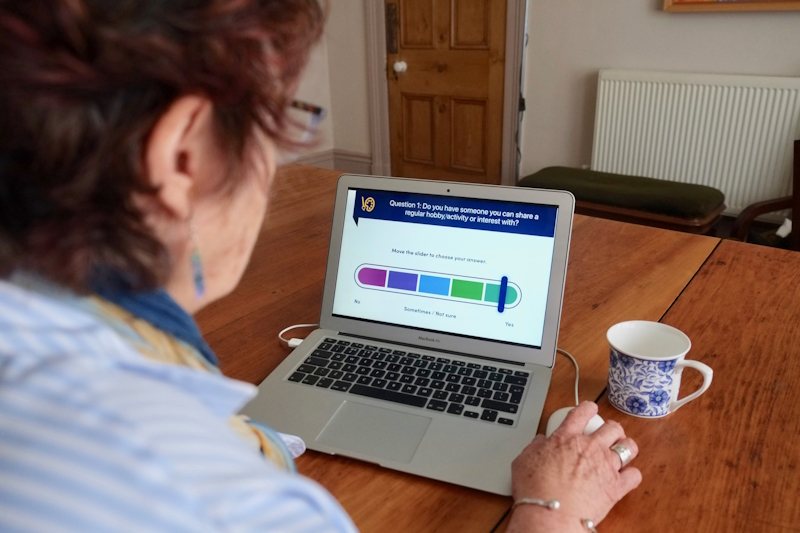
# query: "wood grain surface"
{"type": "Point", "coordinates": [730, 460]}
{"type": "Point", "coordinates": [616, 272]}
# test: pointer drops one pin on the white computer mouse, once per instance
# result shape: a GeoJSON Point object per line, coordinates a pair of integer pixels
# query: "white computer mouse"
{"type": "Point", "coordinates": [558, 417]}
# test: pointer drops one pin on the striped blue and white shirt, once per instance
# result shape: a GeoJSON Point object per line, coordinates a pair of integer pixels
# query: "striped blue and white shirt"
{"type": "Point", "coordinates": [96, 438]}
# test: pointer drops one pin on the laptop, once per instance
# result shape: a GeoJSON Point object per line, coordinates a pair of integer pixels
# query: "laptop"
{"type": "Point", "coordinates": [438, 329]}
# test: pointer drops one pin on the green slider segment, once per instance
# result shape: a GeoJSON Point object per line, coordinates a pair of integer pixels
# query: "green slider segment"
{"type": "Point", "coordinates": [493, 294]}
{"type": "Point", "coordinates": [469, 290]}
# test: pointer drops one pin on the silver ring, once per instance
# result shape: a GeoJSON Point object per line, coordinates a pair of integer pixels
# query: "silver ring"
{"type": "Point", "coordinates": [624, 453]}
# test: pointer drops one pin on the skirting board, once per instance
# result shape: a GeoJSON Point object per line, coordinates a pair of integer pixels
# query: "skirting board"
{"type": "Point", "coordinates": [343, 160]}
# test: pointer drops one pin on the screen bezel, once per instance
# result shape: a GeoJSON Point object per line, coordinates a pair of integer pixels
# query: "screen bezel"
{"type": "Point", "coordinates": [544, 355]}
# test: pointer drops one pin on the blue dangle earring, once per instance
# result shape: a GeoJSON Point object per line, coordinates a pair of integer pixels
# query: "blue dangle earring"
{"type": "Point", "coordinates": [197, 266]}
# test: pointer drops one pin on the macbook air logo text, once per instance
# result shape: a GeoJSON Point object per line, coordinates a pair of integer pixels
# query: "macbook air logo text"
{"type": "Point", "coordinates": [429, 339]}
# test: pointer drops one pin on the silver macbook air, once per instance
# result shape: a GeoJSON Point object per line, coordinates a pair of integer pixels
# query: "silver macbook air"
{"type": "Point", "coordinates": [438, 329]}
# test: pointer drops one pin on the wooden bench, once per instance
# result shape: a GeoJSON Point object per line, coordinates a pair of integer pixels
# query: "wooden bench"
{"type": "Point", "coordinates": [651, 202]}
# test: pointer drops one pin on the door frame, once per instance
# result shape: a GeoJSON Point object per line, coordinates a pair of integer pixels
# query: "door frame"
{"type": "Point", "coordinates": [379, 88]}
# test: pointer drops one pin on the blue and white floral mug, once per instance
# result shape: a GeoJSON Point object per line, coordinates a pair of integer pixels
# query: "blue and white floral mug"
{"type": "Point", "coordinates": [644, 375]}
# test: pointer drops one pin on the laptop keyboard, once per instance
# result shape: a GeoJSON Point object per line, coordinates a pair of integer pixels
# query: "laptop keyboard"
{"type": "Point", "coordinates": [445, 384]}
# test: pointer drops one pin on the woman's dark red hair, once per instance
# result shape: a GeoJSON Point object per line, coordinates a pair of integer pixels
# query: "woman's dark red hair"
{"type": "Point", "coordinates": [83, 82]}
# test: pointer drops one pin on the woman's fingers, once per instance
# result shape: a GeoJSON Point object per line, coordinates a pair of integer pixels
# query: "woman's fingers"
{"type": "Point", "coordinates": [629, 479]}
{"type": "Point", "coordinates": [632, 447]}
{"type": "Point", "coordinates": [577, 419]}
{"type": "Point", "coordinates": [609, 433]}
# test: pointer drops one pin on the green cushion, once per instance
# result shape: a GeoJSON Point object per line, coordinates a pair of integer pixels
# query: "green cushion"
{"type": "Point", "coordinates": [681, 200]}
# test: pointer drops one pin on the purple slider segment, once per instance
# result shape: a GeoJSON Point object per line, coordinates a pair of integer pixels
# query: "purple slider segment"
{"type": "Point", "coordinates": [402, 280]}
{"type": "Point", "coordinates": [372, 276]}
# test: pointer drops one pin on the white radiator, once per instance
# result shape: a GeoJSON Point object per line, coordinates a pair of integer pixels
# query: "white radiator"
{"type": "Point", "coordinates": [734, 133]}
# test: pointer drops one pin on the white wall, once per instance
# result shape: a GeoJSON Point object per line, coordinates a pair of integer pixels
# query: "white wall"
{"type": "Point", "coordinates": [315, 88]}
{"type": "Point", "coordinates": [346, 38]}
{"type": "Point", "coordinates": [570, 40]}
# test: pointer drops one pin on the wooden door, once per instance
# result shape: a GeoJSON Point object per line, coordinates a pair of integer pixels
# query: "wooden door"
{"type": "Point", "coordinates": [446, 108]}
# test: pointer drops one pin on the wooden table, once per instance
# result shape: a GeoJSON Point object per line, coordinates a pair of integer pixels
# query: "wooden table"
{"type": "Point", "coordinates": [616, 272]}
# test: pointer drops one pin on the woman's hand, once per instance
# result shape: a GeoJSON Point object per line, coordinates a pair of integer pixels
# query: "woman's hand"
{"type": "Point", "coordinates": [581, 471]}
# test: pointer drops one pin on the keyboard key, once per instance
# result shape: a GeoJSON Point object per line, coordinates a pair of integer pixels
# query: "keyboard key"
{"type": "Point", "coordinates": [464, 371]}
{"type": "Point", "coordinates": [437, 384]}
{"type": "Point", "coordinates": [406, 361]}
{"type": "Point", "coordinates": [370, 347]}
{"type": "Point", "coordinates": [501, 396]}
{"type": "Point", "coordinates": [505, 371]}
{"type": "Point", "coordinates": [490, 368]}
{"type": "Point", "coordinates": [414, 355]}
{"type": "Point", "coordinates": [365, 353]}
{"type": "Point", "coordinates": [405, 378]}
{"type": "Point", "coordinates": [297, 376]}
{"type": "Point", "coordinates": [310, 380]}
{"type": "Point", "coordinates": [496, 376]}
{"type": "Point", "coordinates": [380, 365]}
{"type": "Point", "coordinates": [488, 415]}
{"type": "Point", "coordinates": [455, 409]}
{"type": "Point", "coordinates": [502, 387]}
{"type": "Point", "coordinates": [349, 368]}
{"type": "Point", "coordinates": [388, 395]}
{"type": "Point", "coordinates": [484, 393]}
{"type": "Point", "coordinates": [429, 358]}
{"type": "Point", "coordinates": [469, 391]}
{"type": "Point", "coordinates": [474, 366]}
{"type": "Point", "coordinates": [409, 389]}
{"type": "Point", "coordinates": [423, 372]}
{"type": "Point", "coordinates": [422, 382]}
{"type": "Point", "coordinates": [392, 358]}
{"type": "Point", "coordinates": [516, 389]}
{"type": "Point", "coordinates": [440, 395]}
{"type": "Point", "coordinates": [343, 343]}
{"type": "Point", "coordinates": [325, 383]}
{"type": "Point", "coordinates": [364, 380]}
{"type": "Point", "coordinates": [380, 383]}
{"type": "Point", "coordinates": [394, 367]}
{"type": "Point", "coordinates": [442, 360]}
{"type": "Point", "coordinates": [308, 369]}
{"type": "Point", "coordinates": [357, 345]}
{"type": "Point", "coordinates": [336, 374]}
{"type": "Point", "coordinates": [385, 350]}
{"type": "Point", "coordinates": [452, 387]}
{"type": "Point", "coordinates": [420, 363]}
{"type": "Point", "coordinates": [472, 400]}
{"type": "Point", "coordinates": [450, 369]}
{"type": "Point", "coordinates": [350, 377]}
{"type": "Point", "coordinates": [468, 381]}
{"type": "Point", "coordinates": [480, 374]}
{"type": "Point", "coordinates": [515, 380]}
{"type": "Point", "coordinates": [352, 351]}
{"type": "Point", "coordinates": [392, 376]}
{"type": "Point", "coordinates": [338, 348]}
{"type": "Point", "coordinates": [321, 372]}
{"type": "Point", "coordinates": [362, 370]}
{"type": "Point", "coordinates": [435, 366]}
{"type": "Point", "coordinates": [327, 345]}
{"type": "Point", "coordinates": [323, 354]}
{"type": "Point", "coordinates": [471, 414]}
{"type": "Point", "coordinates": [317, 361]}
{"type": "Point", "coordinates": [399, 352]}
{"type": "Point", "coordinates": [408, 370]}
{"type": "Point", "coordinates": [335, 365]}
{"type": "Point", "coordinates": [452, 378]}
{"type": "Point", "coordinates": [351, 359]}
{"type": "Point", "coordinates": [459, 363]}
{"type": "Point", "coordinates": [337, 357]}
{"type": "Point", "coordinates": [499, 406]}
{"type": "Point", "coordinates": [340, 386]}
{"type": "Point", "coordinates": [424, 391]}
{"type": "Point", "coordinates": [516, 398]}
{"type": "Point", "coordinates": [377, 373]}
{"type": "Point", "coordinates": [394, 385]}
{"type": "Point", "coordinates": [506, 421]}
{"type": "Point", "coordinates": [378, 356]}
{"type": "Point", "coordinates": [329, 341]}
{"type": "Point", "coordinates": [484, 384]}
{"type": "Point", "coordinates": [365, 362]}
{"type": "Point", "coordinates": [521, 374]}
{"type": "Point", "coordinates": [436, 405]}
{"type": "Point", "coordinates": [438, 375]}
{"type": "Point", "coordinates": [456, 398]}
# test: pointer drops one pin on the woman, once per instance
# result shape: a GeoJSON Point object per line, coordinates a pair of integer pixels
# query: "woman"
{"type": "Point", "coordinates": [137, 147]}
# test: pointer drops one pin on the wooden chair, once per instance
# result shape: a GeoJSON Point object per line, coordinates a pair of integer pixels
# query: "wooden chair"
{"type": "Point", "coordinates": [741, 227]}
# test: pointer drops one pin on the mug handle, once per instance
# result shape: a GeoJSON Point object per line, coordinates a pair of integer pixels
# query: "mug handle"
{"type": "Point", "coordinates": [708, 374]}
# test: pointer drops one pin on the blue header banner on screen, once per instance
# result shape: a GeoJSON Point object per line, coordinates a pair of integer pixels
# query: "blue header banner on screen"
{"type": "Point", "coordinates": [456, 212]}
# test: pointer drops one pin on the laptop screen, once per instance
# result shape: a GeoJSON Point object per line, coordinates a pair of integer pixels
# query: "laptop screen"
{"type": "Point", "coordinates": [461, 266]}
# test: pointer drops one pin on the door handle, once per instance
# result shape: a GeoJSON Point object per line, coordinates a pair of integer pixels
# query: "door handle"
{"type": "Point", "coordinates": [400, 67]}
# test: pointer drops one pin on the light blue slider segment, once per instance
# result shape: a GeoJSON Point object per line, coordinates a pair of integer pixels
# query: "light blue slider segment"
{"type": "Point", "coordinates": [434, 285]}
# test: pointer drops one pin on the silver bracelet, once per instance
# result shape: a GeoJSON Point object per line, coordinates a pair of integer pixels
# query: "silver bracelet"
{"type": "Point", "coordinates": [552, 505]}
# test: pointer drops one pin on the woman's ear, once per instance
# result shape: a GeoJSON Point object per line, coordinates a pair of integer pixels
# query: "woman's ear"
{"type": "Point", "coordinates": [176, 150]}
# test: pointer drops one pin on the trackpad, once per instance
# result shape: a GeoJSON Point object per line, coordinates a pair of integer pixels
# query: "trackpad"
{"type": "Point", "coordinates": [375, 431]}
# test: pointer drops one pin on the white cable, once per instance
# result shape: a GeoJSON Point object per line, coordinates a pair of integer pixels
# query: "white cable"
{"type": "Point", "coordinates": [294, 342]}
{"type": "Point", "coordinates": [577, 371]}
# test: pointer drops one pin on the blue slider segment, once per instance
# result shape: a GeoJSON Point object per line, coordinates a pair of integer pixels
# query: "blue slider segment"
{"type": "Point", "coordinates": [434, 285]}
{"type": "Point", "coordinates": [501, 304]}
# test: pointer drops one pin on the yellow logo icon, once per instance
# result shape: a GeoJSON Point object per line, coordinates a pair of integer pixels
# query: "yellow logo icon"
{"type": "Point", "coordinates": [368, 204]}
